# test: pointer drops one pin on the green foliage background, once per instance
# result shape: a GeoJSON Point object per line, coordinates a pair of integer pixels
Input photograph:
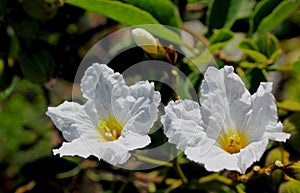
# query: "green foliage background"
{"type": "Point", "coordinates": [42, 43]}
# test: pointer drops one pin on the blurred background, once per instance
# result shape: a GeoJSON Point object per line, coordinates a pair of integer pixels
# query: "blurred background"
{"type": "Point", "coordinates": [42, 43]}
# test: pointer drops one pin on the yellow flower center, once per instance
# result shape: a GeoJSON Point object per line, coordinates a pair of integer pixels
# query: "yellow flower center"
{"type": "Point", "coordinates": [109, 129]}
{"type": "Point", "coordinates": [233, 141]}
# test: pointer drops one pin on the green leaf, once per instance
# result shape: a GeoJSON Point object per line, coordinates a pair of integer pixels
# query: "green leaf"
{"type": "Point", "coordinates": [224, 13]}
{"type": "Point", "coordinates": [198, 1]}
{"type": "Point", "coordinates": [250, 48]}
{"type": "Point", "coordinates": [238, 10]}
{"type": "Point", "coordinates": [289, 105]}
{"type": "Point", "coordinates": [219, 39]}
{"type": "Point", "coordinates": [200, 61]}
{"type": "Point", "coordinates": [269, 45]}
{"type": "Point", "coordinates": [122, 12]}
{"type": "Point", "coordinates": [248, 44]}
{"type": "Point", "coordinates": [291, 186]}
{"type": "Point", "coordinates": [217, 11]}
{"type": "Point", "coordinates": [256, 56]}
{"type": "Point", "coordinates": [127, 14]}
{"type": "Point", "coordinates": [37, 66]}
{"type": "Point", "coordinates": [164, 11]}
{"type": "Point", "coordinates": [292, 125]}
{"type": "Point", "coordinates": [264, 51]}
{"type": "Point", "coordinates": [251, 65]}
{"type": "Point", "coordinates": [277, 153]}
{"type": "Point", "coordinates": [278, 15]}
{"type": "Point", "coordinates": [8, 91]}
{"type": "Point", "coordinates": [262, 9]}
{"type": "Point", "coordinates": [25, 133]}
{"type": "Point", "coordinates": [296, 65]}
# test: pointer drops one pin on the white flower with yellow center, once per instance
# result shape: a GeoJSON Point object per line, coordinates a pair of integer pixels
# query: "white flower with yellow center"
{"type": "Point", "coordinates": [230, 129]}
{"type": "Point", "coordinates": [115, 119]}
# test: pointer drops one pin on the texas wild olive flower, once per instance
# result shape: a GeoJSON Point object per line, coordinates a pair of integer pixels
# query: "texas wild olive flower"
{"type": "Point", "coordinates": [230, 129]}
{"type": "Point", "coordinates": [115, 119]}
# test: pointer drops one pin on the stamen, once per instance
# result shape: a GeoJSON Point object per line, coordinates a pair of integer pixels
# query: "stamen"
{"type": "Point", "coordinates": [109, 130]}
{"type": "Point", "coordinates": [232, 141]}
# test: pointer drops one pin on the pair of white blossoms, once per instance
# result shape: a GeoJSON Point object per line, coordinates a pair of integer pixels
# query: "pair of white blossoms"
{"type": "Point", "coordinates": [229, 129]}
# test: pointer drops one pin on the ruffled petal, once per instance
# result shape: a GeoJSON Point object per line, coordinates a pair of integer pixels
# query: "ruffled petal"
{"type": "Point", "coordinates": [264, 120]}
{"type": "Point", "coordinates": [138, 110]}
{"type": "Point", "coordinates": [132, 141]}
{"type": "Point", "coordinates": [112, 152]}
{"type": "Point", "coordinates": [216, 159]}
{"type": "Point", "coordinates": [101, 85]}
{"type": "Point", "coordinates": [182, 123]}
{"type": "Point", "coordinates": [213, 157]}
{"type": "Point", "coordinates": [64, 116]}
{"type": "Point", "coordinates": [108, 96]}
{"type": "Point", "coordinates": [75, 147]}
{"type": "Point", "coordinates": [277, 136]}
{"type": "Point", "coordinates": [251, 153]}
{"type": "Point", "coordinates": [225, 101]}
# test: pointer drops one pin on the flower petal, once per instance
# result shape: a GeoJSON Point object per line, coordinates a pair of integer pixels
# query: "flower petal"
{"type": "Point", "coordinates": [264, 120]}
{"type": "Point", "coordinates": [64, 116]}
{"type": "Point", "coordinates": [132, 141]}
{"type": "Point", "coordinates": [251, 153]}
{"type": "Point", "coordinates": [182, 123]}
{"type": "Point", "coordinates": [75, 147]}
{"type": "Point", "coordinates": [101, 85]}
{"type": "Point", "coordinates": [112, 152]}
{"type": "Point", "coordinates": [138, 109]}
{"type": "Point", "coordinates": [225, 101]}
{"type": "Point", "coordinates": [212, 156]}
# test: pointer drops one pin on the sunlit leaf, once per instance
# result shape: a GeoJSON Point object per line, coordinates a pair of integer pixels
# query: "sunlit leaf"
{"type": "Point", "coordinates": [291, 186]}
{"type": "Point", "coordinates": [269, 45]}
{"type": "Point", "coordinates": [121, 12]}
{"type": "Point", "coordinates": [277, 153]}
{"type": "Point", "coordinates": [164, 11]}
{"type": "Point", "coordinates": [248, 44]}
{"type": "Point", "coordinates": [296, 65]}
{"type": "Point", "coordinates": [278, 15]}
{"type": "Point", "coordinates": [127, 14]}
{"type": "Point", "coordinates": [224, 13]}
{"type": "Point", "coordinates": [238, 10]}
{"type": "Point", "coordinates": [255, 55]}
{"type": "Point", "coordinates": [262, 9]}
{"type": "Point", "coordinates": [289, 105]}
{"type": "Point", "coordinates": [219, 39]}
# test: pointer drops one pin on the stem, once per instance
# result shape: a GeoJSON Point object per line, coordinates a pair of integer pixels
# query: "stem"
{"type": "Point", "coordinates": [216, 177]}
{"type": "Point", "coordinates": [121, 190]}
{"type": "Point", "coordinates": [124, 185]}
{"type": "Point", "coordinates": [152, 161]}
{"type": "Point", "coordinates": [180, 172]}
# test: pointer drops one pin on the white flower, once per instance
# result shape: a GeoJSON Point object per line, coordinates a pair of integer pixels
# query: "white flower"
{"type": "Point", "coordinates": [145, 40]}
{"type": "Point", "coordinates": [115, 119]}
{"type": "Point", "coordinates": [231, 128]}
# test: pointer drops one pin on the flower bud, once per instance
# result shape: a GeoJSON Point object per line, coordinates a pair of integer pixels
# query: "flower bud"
{"type": "Point", "coordinates": [145, 40]}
